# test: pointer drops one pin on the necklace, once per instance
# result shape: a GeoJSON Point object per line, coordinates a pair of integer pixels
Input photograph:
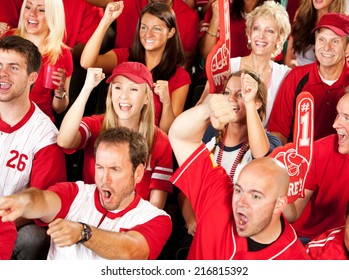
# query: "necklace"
{"type": "Point", "coordinates": [237, 159]}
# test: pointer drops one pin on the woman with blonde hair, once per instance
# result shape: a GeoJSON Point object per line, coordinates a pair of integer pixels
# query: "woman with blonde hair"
{"type": "Point", "coordinates": [267, 28]}
{"type": "Point", "coordinates": [130, 104]}
{"type": "Point", "coordinates": [157, 45]}
{"type": "Point", "coordinates": [300, 48]}
{"type": "Point", "coordinates": [43, 23]}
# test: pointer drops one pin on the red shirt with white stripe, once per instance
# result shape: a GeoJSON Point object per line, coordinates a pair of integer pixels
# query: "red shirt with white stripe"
{"type": "Point", "coordinates": [328, 246]}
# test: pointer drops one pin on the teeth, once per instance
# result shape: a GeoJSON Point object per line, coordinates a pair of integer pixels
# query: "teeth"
{"type": "Point", "coordinates": [32, 22]}
{"type": "Point", "coordinates": [124, 105]}
{"type": "Point", "coordinates": [4, 85]}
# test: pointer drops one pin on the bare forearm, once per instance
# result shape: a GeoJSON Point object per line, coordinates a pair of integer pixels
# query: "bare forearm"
{"type": "Point", "coordinates": [71, 121]}
{"type": "Point", "coordinates": [89, 56]}
{"type": "Point", "coordinates": [114, 245]}
{"type": "Point", "coordinates": [257, 137]}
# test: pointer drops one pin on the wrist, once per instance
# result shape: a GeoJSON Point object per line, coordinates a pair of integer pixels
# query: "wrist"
{"type": "Point", "coordinates": [212, 34]}
{"type": "Point", "coordinates": [60, 94]}
{"type": "Point", "coordinates": [86, 233]}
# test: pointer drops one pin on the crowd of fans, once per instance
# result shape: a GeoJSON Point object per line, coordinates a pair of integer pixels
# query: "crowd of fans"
{"type": "Point", "coordinates": [121, 151]}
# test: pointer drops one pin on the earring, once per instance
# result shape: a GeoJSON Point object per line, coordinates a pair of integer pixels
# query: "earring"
{"type": "Point", "coordinates": [249, 44]}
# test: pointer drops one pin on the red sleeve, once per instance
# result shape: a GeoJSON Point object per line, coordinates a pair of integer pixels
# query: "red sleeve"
{"type": "Point", "coordinates": [179, 79]}
{"type": "Point", "coordinates": [156, 232]}
{"type": "Point", "coordinates": [283, 109]}
{"type": "Point", "coordinates": [122, 54]}
{"type": "Point", "coordinates": [161, 164]}
{"type": "Point", "coordinates": [48, 167]}
{"type": "Point", "coordinates": [67, 193]}
{"type": "Point", "coordinates": [9, 11]}
{"type": "Point", "coordinates": [8, 235]}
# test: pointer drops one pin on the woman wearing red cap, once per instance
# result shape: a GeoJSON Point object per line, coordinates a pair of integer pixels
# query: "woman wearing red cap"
{"type": "Point", "coordinates": [130, 104]}
{"type": "Point", "coordinates": [158, 46]}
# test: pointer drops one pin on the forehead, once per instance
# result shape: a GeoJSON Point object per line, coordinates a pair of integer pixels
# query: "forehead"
{"type": "Point", "coordinates": [327, 33]}
{"type": "Point", "coordinates": [12, 57]}
{"type": "Point", "coordinates": [112, 152]}
{"type": "Point", "coordinates": [234, 82]}
{"type": "Point", "coordinates": [123, 80]}
{"type": "Point", "coordinates": [149, 19]}
{"type": "Point", "coordinates": [343, 104]}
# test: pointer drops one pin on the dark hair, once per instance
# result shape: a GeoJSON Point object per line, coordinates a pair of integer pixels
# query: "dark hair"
{"type": "Point", "coordinates": [173, 55]}
{"type": "Point", "coordinates": [237, 7]}
{"type": "Point", "coordinates": [24, 47]}
{"type": "Point", "coordinates": [138, 149]}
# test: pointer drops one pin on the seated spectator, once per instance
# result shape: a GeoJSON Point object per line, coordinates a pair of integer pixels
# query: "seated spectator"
{"type": "Point", "coordinates": [8, 235]}
{"type": "Point", "coordinates": [246, 225]}
{"type": "Point", "coordinates": [158, 47]}
{"type": "Point", "coordinates": [267, 28]}
{"type": "Point", "coordinates": [300, 48]}
{"type": "Point", "coordinates": [327, 177]}
{"type": "Point", "coordinates": [105, 220]}
{"type": "Point", "coordinates": [332, 244]}
{"type": "Point", "coordinates": [29, 154]}
{"type": "Point", "coordinates": [326, 79]}
{"type": "Point", "coordinates": [129, 104]}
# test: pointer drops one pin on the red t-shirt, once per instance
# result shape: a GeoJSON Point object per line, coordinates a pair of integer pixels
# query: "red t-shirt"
{"type": "Point", "coordinates": [328, 179]}
{"type": "Point", "coordinates": [43, 96]}
{"type": "Point", "coordinates": [209, 189]}
{"type": "Point", "coordinates": [325, 100]}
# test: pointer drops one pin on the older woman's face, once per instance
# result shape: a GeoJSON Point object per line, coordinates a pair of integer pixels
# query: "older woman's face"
{"type": "Point", "coordinates": [264, 36]}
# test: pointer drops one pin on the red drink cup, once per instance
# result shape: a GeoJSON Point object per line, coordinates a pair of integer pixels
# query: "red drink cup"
{"type": "Point", "coordinates": [48, 72]}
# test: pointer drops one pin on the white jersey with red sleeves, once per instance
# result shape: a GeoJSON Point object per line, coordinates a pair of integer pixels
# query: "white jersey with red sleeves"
{"type": "Point", "coordinates": [19, 146]}
{"type": "Point", "coordinates": [81, 203]}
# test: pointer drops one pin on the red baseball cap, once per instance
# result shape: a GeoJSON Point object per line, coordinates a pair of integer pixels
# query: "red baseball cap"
{"type": "Point", "coordinates": [134, 71]}
{"type": "Point", "coordinates": [338, 23]}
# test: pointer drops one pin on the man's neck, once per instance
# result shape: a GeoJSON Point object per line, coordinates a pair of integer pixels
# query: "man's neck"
{"type": "Point", "coordinates": [13, 112]}
{"type": "Point", "coordinates": [331, 73]}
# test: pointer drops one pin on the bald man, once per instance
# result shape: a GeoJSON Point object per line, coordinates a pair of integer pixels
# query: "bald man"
{"type": "Point", "coordinates": [326, 188]}
{"type": "Point", "coordinates": [240, 222]}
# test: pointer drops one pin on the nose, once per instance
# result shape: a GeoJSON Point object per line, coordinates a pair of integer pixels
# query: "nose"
{"type": "Point", "coordinates": [3, 72]}
{"type": "Point", "coordinates": [106, 178]}
{"type": "Point", "coordinates": [242, 200]}
{"type": "Point", "coordinates": [336, 123]}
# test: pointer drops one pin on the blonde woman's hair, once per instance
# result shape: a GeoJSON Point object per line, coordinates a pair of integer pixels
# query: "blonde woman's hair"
{"type": "Point", "coordinates": [55, 19]}
{"type": "Point", "coordinates": [146, 123]}
{"type": "Point", "coordinates": [272, 11]}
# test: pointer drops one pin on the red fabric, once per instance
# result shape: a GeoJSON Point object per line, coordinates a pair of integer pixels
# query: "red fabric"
{"type": "Point", "coordinates": [328, 246]}
{"type": "Point", "coordinates": [238, 38]}
{"type": "Point", "coordinates": [42, 96]}
{"type": "Point", "coordinates": [210, 191]}
{"type": "Point", "coordinates": [325, 100]}
{"type": "Point", "coordinates": [328, 180]}
{"type": "Point", "coordinates": [8, 235]}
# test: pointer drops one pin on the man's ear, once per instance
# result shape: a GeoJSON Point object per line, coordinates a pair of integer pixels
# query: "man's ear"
{"type": "Point", "coordinates": [280, 204]}
{"type": "Point", "coordinates": [139, 172]}
{"type": "Point", "coordinates": [32, 78]}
